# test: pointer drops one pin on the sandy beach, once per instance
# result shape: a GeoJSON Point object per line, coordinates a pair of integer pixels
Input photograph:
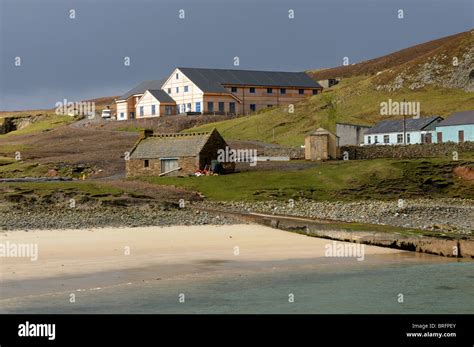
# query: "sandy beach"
{"type": "Point", "coordinates": [74, 252]}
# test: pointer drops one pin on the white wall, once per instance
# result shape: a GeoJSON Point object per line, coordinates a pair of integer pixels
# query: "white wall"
{"type": "Point", "coordinates": [193, 95]}
{"type": "Point", "coordinates": [146, 102]}
{"type": "Point", "coordinates": [415, 137]}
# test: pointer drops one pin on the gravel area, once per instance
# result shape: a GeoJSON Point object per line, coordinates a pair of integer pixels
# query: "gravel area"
{"type": "Point", "coordinates": [64, 218]}
{"type": "Point", "coordinates": [447, 215]}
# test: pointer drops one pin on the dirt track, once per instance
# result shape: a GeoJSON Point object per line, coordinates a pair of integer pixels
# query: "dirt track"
{"type": "Point", "coordinates": [97, 143]}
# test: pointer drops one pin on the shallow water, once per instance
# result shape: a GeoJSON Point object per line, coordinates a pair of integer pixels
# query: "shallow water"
{"type": "Point", "coordinates": [429, 284]}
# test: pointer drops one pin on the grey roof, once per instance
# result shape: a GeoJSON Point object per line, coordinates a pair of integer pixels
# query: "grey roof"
{"type": "Point", "coordinates": [142, 87]}
{"type": "Point", "coordinates": [396, 126]}
{"type": "Point", "coordinates": [459, 118]}
{"type": "Point", "coordinates": [161, 95]}
{"type": "Point", "coordinates": [211, 80]}
{"type": "Point", "coordinates": [170, 145]}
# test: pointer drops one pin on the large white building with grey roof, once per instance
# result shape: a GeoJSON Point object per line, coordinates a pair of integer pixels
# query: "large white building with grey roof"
{"type": "Point", "coordinates": [217, 91]}
{"type": "Point", "coordinates": [399, 132]}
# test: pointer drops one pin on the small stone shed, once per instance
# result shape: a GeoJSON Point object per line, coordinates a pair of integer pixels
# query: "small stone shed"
{"type": "Point", "coordinates": [175, 154]}
{"type": "Point", "coordinates": [320, 145]}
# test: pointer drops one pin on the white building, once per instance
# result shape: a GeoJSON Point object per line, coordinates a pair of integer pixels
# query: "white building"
{"type": "Point", "coordinates": [390, 132]}
{"type": "Point", "coordinates": [216, 91]}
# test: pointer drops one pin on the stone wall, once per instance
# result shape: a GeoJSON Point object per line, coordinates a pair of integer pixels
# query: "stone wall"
{"type": "Point", "coordinates": [210, 150]}
{"type": "Point", "coordinates": [292, 153]}
{"type": "Point", "coordinates": [136, 168]}
{"type": "Point", "coordinates": [406, 152]}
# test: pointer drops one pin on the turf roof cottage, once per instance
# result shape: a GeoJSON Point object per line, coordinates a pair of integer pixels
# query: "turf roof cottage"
{"type": "Point", "coordinates": [215, 91]}
{"type": "Point", "coordinates": [173, 154]}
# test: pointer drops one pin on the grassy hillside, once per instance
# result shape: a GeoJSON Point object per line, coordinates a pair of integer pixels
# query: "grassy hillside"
{"type": "Point", "coordinates": [423, 73]}
{"type": "Point", "coordinates": [354, 100]}
{"type": "Point", "coordinates": [380, 179]}
{"type": "Point", "coordinates": [454, 45]}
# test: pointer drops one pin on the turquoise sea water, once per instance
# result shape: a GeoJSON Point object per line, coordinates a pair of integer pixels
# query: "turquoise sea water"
{"type": "Point", "coordinates": [428, 285]}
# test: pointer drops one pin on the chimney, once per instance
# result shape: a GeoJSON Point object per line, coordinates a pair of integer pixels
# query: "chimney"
{"type": "Point", "coordinates": [146, 133]}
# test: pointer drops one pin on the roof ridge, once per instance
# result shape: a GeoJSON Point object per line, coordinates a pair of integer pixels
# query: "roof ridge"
{"type": "Point", "coordinates": [200, 133]}
{"type": "Point", "coordinates": [222, 69]}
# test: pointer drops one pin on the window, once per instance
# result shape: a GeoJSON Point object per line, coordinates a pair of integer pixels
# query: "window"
{"type": "Point", "coordinates": [234, 89]}
{"type": "Point", "coordinates": [399, 138]}
{"type": "Point", "coordinates": [210, 106]}
{"type": "Point", "coordinates": [188, 107]}
{"type": "Point", "coordinates": [146, 163]}
{"type": "Point", "coordinates": [221, 106]}
{"type": "Point", "coordinates": [301, 91]}
{"type": "Point", "coordinates": [408, 138]}
{"type": "Point", "coordinates": [122, 115]}
{"type": "Point", "coordinates": [315, 92]}
{"type": "Point", "coordinates": [177, 76]}
{"type": "Point", "coordinates": [169, 164]}
{"type": "Point", "coordinates": [177, 89]}
{"type": "Point", "coordinates": [252, 90]}
{"type": "Point", "coordinates": [232, 107]}
{"type": "Point", "coordinates": [386, 139]}
{"type": "Point", "coordinates": [198, 106]}
{"type": "Point", "coordinates": [369, 140]}
{"type": "Point", "coordinates": [269, 105]}
{"type": "Point", "coordinates": [253, 107]}
{"type": "Point", "coordinates": [169, 90]}
{"type": "Point", "coordinates": [376, 139]}
{"type": "Point", "coordinates": [282, 91]}
{"type": "Point", "coordinates": [269, 90]}
{"type": "Point", "coordinates": [168, 109]}
{"type": "Point", "coordinates": [153, 110]}
{"type": "Point", "coordinates": [186, 89]}
{"type": "Point", "coordinates": [142, 111]}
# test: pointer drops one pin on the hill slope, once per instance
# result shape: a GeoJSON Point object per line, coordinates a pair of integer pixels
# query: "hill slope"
{"type": "Point", "coordinates": [356, 99]}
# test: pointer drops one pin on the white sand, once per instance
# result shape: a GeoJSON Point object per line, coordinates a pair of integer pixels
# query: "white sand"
{"type": "Point", "coordinates": [72, 252]}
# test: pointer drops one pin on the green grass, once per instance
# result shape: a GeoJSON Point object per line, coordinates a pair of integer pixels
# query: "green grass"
{"type": "Point", "coordinates": [130, 128]}
{"type": "Point", "coordinates": [354, 100]}
{"type": "Point", "coordinates": [13, 168]}
{"type": "Point", "coordinates": [48, 122]}
{"type": "Point", "coordinates": [45, 189]}
{"type": "Point", "coordinates": [12, 148]}
{"type": "Point", "coordinates": [383, 179]}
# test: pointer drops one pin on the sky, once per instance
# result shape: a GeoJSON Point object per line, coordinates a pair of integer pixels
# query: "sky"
{"type": "Point", "coordinates": [83, 57]}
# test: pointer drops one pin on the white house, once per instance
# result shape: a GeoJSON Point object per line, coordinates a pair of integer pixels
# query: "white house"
{"type": "Point", "coordinates": [390, 132]}
{"type": "Point", "coordinates": [459, 127]}
{"type": "Point", "coordinates": [220, 91]}
{"type": "Point", "coordinates": [154, 103]}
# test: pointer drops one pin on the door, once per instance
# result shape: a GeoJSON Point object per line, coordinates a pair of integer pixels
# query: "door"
{"type": "Point", "coordinates": [461, 136]}
{"type": "Point", "coordinates": [428, 138]}
{"type": "Point", "coordinates": [168, 164]}
{"type": "Point", "coordinates": [439, 137]}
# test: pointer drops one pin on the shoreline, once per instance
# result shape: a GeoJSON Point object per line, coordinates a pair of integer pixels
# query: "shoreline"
{"type": "Point", "coordinates": [73, 252]}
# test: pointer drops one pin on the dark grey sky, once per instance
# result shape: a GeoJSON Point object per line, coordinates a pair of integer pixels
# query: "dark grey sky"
{"type": "Point", "coordinates": [83, 58]}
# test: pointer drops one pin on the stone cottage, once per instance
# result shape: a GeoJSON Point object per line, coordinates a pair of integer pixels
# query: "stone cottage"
{"type": "Point", "coordinates": [178, 154]}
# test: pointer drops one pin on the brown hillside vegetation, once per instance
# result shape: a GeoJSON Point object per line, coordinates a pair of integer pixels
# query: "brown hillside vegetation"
{"type": "Point", "coordinates": [410, 59]}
